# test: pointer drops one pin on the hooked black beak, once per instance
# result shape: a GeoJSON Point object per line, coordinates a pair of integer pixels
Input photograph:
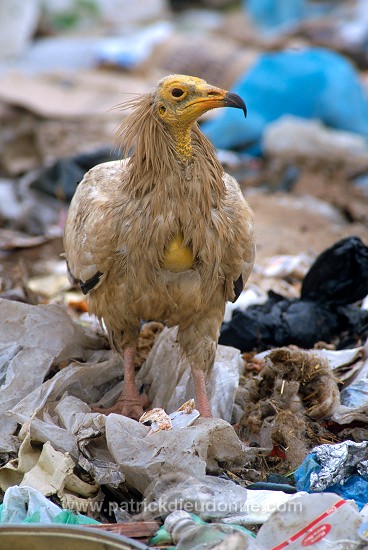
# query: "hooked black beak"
{"type": "Point", "coordinates": [234, 100]}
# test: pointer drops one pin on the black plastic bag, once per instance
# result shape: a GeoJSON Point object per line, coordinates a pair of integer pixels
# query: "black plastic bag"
{"type": "Point", "coordinates": [60, 180]}
{"type": "Point", "coordinates": [337, 279]}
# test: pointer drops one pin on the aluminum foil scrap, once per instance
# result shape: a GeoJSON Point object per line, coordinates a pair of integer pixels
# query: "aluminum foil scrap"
{"type": "Point", "coordinates": [338, 462]}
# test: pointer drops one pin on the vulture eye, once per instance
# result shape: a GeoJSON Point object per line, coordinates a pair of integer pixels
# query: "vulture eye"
{"type": "Point", "coordinates": [176, 92]}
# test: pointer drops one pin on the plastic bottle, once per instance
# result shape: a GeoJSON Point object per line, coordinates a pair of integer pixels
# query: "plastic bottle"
{"type": "Point", "coordinates": [188, 534]}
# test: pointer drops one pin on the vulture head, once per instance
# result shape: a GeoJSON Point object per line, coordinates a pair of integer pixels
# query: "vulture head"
{"type": "Point", "coordinates": [162, 123]}
{"type": "Point", "coordinates": [180, 99]}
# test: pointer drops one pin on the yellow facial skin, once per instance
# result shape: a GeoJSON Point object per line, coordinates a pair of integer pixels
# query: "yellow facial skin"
{"type": "Point", "coordinates": [181, 100]}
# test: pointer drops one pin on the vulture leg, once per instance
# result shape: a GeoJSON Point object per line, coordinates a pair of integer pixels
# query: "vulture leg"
{"type": "Point", "coordinates": [202, 403]}
{"type": "Point", "coordinates": [130, 402]}
{"type": "Point", "coordinates": [198, 343]}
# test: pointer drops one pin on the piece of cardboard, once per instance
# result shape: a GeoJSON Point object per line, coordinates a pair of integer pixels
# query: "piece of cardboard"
{"type": "Point", "coordinates": [67, 96]}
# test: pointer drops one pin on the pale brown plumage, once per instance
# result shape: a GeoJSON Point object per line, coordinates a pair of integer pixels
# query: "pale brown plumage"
{"type": "Point", "coordinates": [126, 216]}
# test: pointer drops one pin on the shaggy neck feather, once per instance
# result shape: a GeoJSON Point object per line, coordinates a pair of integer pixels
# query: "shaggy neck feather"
{"type": "Point", "coordinates": [157, 152]}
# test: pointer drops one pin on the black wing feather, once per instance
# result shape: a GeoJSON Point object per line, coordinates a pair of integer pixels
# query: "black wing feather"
{"type": "Point", "coordinates": [238, 287]}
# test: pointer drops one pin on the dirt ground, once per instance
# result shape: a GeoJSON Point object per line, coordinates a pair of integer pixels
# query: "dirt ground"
{"type": "Point", "coordinates": [287, 223]}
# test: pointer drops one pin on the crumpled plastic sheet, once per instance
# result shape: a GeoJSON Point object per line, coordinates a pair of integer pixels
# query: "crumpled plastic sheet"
{"type": "Point", "coordinates": [56, 411]}
{"type": "Point", "coordinates": [211, 498]}
{"type": "Point", "coordinates": [343, 415]}
{"type": "Point", "coordinates": [122, 448]}
{"type": "Point", "coordinates": [66, 427]}
{"type": "Point", "coordinates": [344, 362]}
{"type": "Point", "coordinates": [283, 266]}
{"type": "Point", "coordinates": [200, 448]}
{"type": "Point", "coordinates": [293, 139]}
{"type": "Point", "coordinates": [22, 502]}
{"type": "Point", "coordinates": [32, 340]}
{"type": "Point", "coordinates": [51, 472]}
{"type": "Point", "coordinates": [259, 506]}
{"type": "Point", "coordinates": [356, 394]}
{"type": "Point", "coordinates": [206, 496]}
{"type": "Point", "coordinates": [350, 366]}
{"type": "Point", "coordinates": [338, 462]}
{"type": "Point", "coordinates": [236, 541]}
{"type": "Point", "coordinates": [171, 393]}
{"type": "Point", "coordinates": [28, 505]}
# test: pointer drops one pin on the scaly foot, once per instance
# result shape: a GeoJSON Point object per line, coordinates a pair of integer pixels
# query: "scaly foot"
{"type": "Point", "coordinates": [202, 403]}
{"type": "Point", "coordinates": [132, 408]}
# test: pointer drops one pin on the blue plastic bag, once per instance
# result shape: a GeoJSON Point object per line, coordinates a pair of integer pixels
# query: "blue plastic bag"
{"type": "Point", "coordinates": [279, 15]}
{"type": "Point", "coordinates": [303, 472]}
{"type": "Point", "coordinates": [354, 487]}
{"type": "Point", "coordinates": [271, 14]}
{"type": "Point", "coordinates": [314, 83]}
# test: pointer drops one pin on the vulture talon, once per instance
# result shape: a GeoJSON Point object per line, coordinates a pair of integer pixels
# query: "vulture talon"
{"type": "Point", "coordinates": [133, 408]}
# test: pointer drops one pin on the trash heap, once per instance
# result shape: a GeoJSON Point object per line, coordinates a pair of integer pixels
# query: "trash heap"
{"type": "Point", "coordinates": [284, 460]}
{"type": "Point", "coordinates": [298, 423]}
